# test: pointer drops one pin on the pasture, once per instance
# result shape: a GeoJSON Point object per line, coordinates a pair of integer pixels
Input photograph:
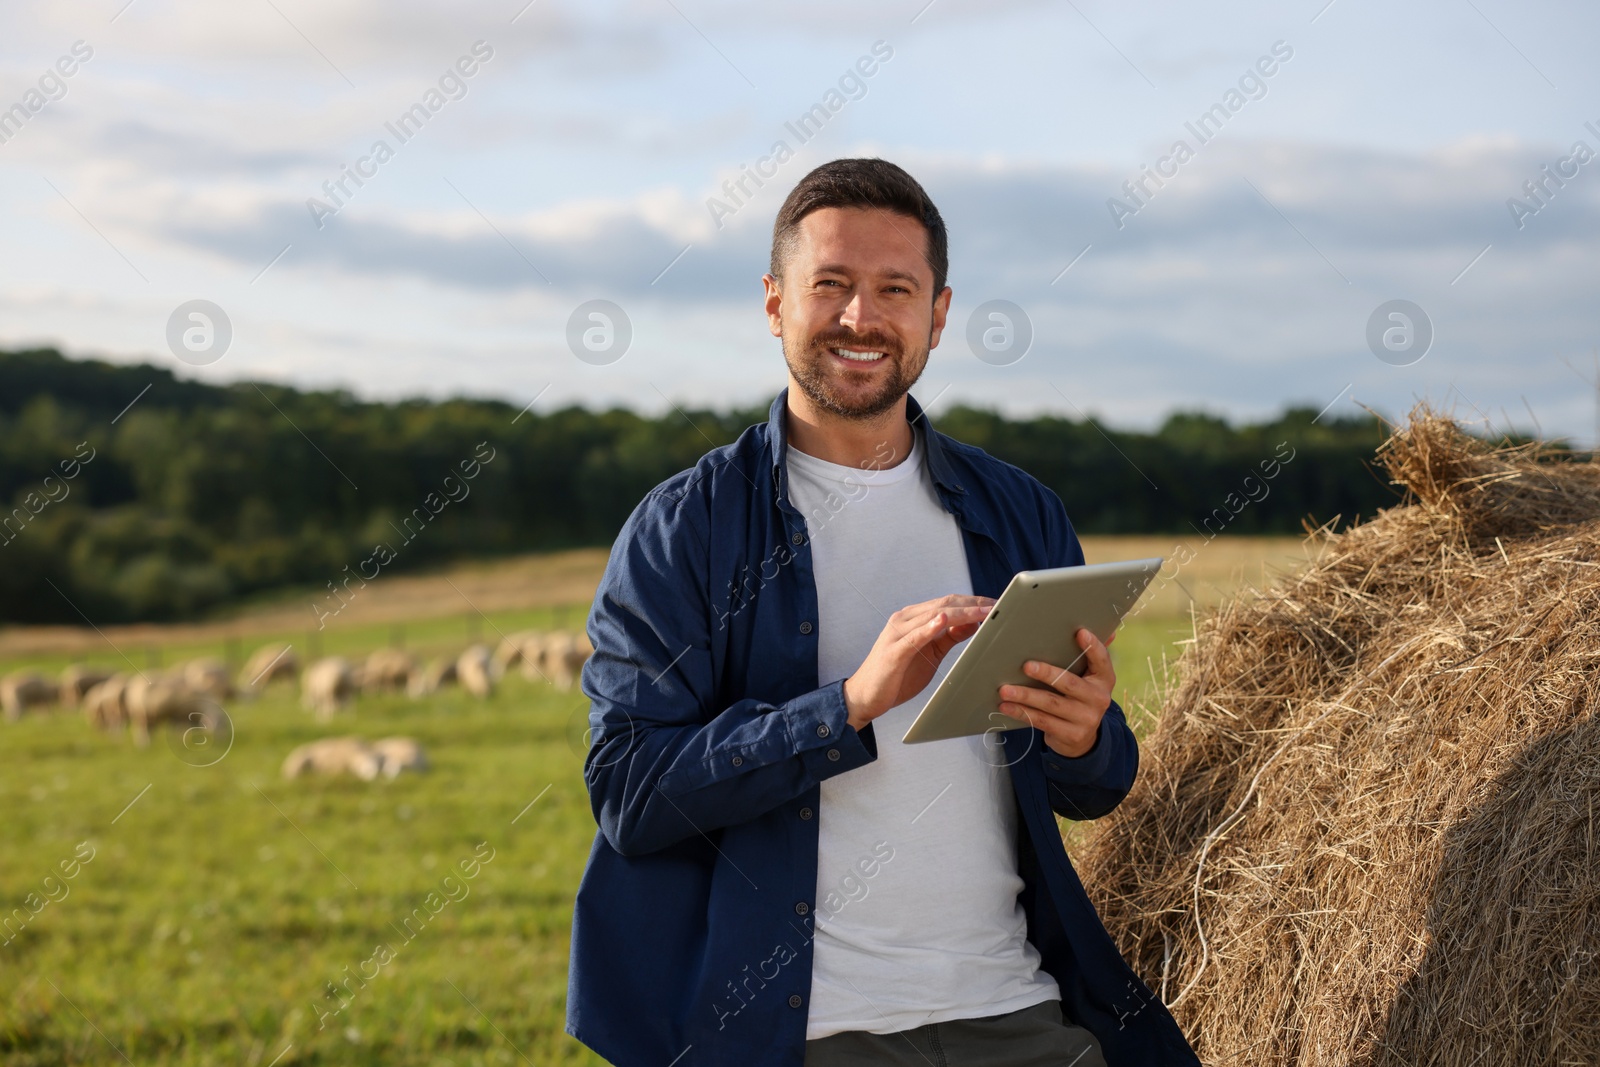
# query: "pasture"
{"type": "Point", "coordinates": [219, 902]}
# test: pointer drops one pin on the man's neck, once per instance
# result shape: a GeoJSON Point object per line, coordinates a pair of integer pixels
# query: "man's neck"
{"type": "Point", "coordinates": [875, 444]}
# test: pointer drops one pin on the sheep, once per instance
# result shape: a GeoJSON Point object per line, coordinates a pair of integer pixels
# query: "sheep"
{"type": "Point", "coordinates": [104, 706]}
{"type": "Point", "coordinates": [77, 680]}
{"type": "Point", "coordinates": [512, 649]}
{"type": "Point", "coordinates": [564, 656]}
{"type": "Point", "coordinates": [335, 755]}
{"type": "Point", "coordinates": [327, 686]}
{"type": "Point", "coordinates": [339, 755]}
{"type": "Point", "coordinates": [474, 670]}
{"type": "Point", "coordinates": [155, 699]}
{"type": "Point", "coordinates": [209, 676]}
{"type": "Point", "coordinates": [268, 664]}
{"type": "Point", "coordinates": [399, 754]}
{"type": "Point", "coordinates": [428, 680]}
{"type": "Point", "coordinates": [532, 659]}
{"type": "Point", "coordinates": [387, 668]}
{"type": "Point", "coordinates": [22, 690]}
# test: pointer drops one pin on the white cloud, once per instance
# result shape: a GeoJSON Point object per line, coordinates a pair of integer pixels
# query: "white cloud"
{"type": "Point", "coordinates": [590, 144]}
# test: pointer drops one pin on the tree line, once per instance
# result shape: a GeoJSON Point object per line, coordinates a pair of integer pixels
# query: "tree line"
{"type": "Point", "coordinates": [130, 494]}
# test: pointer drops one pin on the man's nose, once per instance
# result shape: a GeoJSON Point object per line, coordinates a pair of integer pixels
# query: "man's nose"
{"type": "Point", "coordinates": [863, 313]}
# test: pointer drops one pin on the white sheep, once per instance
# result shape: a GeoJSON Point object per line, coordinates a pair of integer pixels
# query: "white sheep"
{"type": "Point", "coordinates": [334, 755]}
{"type": "Point", "coordinates": [510, 651]}
{"type": "Point", "coordinates": [268, 664]}
{"type": "Point", "coordinates": [428, 680]}
{"type": "Point", "coordinates": [387, 668]}
{"type": "Point", "coordinates": [475, 671]}
{"type": "Point", "coordinates": [153, 699]}
{"type": "Point", "coordinates": [104, 706]}
{"type": "Point", "coordinates": [400, 754]}
{"type": "Point", "coordinates": [22, 690]}
{"type": "Point", "coordinates": [534, 643]}
{"type": "Point", "coordinates": [352, 755]}
{"type": "Point", "coordinates": [207, 675]}
{"type": "Point", "coordinates": [564, 656]}
{"type": "Point", "coordinates": [327, 686]}
{"type": "Point", "coordinates": [78, 679]}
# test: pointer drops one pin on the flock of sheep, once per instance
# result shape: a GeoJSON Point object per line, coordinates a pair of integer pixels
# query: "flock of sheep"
{"type": "Point", "coordinates": [330, 684]}
{"type": "Point", "coordinates": [191, 693]}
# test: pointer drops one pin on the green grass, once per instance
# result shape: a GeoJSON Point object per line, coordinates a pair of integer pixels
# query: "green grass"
{"type": "Point", "coordinates": [1137, 656]}
{"type": "Point", "coordinates": [219, 905]}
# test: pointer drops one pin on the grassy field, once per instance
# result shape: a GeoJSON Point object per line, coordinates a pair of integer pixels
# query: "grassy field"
{"type": "Point", "coordinates": [218, 901]}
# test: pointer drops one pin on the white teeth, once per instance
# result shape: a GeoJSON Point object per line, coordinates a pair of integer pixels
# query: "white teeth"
{"type": "Point", "coordinates": [859, 357]}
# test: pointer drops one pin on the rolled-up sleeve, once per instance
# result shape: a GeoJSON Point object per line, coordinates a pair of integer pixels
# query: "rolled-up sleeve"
{"type": "Point", "coordinates": [664, 763]}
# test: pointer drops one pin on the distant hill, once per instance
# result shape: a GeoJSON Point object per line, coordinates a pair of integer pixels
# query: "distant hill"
{"type": "Point", "coordinates": [198, 494]}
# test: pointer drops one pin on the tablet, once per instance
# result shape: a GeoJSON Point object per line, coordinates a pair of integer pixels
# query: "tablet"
{"type": "Point", "coordinates": [1035, 618]}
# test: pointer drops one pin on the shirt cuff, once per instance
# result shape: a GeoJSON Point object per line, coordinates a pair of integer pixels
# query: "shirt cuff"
{"type": "Point", "coordinates": [1078, 770]}
{"type": "Point", "coordinates": [821, 733]}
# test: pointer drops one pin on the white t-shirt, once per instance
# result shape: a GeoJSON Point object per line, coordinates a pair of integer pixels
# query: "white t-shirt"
{"type": "Point", "coordinates": [917, 919]}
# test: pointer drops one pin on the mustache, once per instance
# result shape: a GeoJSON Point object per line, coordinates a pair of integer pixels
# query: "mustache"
{"type": "Point", "coordinates": [872, 340]}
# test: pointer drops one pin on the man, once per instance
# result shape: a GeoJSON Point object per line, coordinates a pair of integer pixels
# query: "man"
{"type": "Point", "coordinates": [777, 879]}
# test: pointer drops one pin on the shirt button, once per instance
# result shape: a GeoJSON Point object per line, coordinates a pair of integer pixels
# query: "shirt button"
{"type": "Point", "coordinates": [823, 731]}
{"type": "Point", "coordinates": [805, 813]}
{"type": "Point", "coordinates": [802, 908]}
{"type": "Point", "coordinates": [738, 761]}
{"type": "Point", "coordinates": [805, 627]}
{"type": "Point", "coordinates": [797, 538]}
{"type": "Point", "coordinates": [794, 1000]}
{"type": "Point", "coordinates": [833, 753]}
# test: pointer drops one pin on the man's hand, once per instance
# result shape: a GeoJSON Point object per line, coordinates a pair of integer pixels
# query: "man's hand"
{"type": "Point", "coordinates": [1069, 712]}
{"type": "Point", "coordinates": [908, 652]}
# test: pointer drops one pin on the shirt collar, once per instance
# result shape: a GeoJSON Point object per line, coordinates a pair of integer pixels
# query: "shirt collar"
{"type": "Point", "coordinates": [932, 447]}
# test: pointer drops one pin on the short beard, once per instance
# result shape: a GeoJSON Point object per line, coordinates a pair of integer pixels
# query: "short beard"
{"type": "Point", "coordinates": [807, 369]}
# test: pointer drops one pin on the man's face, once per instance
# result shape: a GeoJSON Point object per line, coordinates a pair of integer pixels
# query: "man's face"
{"type": "Point", "coordinates": [856, 311]}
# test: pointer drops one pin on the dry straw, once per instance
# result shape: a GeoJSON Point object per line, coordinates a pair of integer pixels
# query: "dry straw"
{"type": "Point", "coordinates": [1364, 828]}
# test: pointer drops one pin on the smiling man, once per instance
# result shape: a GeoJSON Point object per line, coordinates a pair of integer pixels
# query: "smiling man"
{"type": "Point", "coordinates": [777, 879]}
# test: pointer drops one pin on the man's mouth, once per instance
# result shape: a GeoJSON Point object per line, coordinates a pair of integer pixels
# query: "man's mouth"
{"type": "Point", "coordinates": [857, 355]}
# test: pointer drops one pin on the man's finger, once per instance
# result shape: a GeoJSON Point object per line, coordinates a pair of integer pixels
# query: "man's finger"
{"type": "Point", "coordinates": [1049, 710]}
{"type": "Point", "coordinates": [917, 636]}
{"type": "Point", "coordinates": [954, 617]}
{"type": "Point", "coordinates": [1060, 680]}
{"type": "Point", "coordinates": [1071, 735]}
{"type": "Point", "coordinates": [1099, 658]}
{"type": "Point", "coordinates": [961, 600]}
{"type": "Point", "coordinates": [965, 630]}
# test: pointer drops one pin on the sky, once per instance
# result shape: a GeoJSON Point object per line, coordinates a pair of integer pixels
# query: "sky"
{"type": "Point", "coordinates": [1337, 157]}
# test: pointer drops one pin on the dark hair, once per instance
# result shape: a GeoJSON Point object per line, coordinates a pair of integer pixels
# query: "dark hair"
{"type": "Point", "coordinates": [861, 183]}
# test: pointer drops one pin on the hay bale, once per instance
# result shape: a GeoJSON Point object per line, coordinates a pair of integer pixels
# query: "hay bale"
{"type": "Point", "coordinates": [1364, 828]}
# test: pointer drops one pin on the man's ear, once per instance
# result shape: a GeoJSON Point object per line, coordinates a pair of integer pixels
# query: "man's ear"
{"type": "Point", "coordinates": [941, 308]}
{"type": "Point", "coordinates": [773, 304]}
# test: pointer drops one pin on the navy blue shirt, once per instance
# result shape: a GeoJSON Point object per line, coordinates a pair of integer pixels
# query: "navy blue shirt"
{"type": "Point", "coordinates": [691, 933]}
